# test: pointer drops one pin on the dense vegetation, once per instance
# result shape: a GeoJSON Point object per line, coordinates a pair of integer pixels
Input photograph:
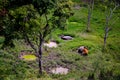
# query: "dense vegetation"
{"type": "Point", "coordinates": [98, 65]}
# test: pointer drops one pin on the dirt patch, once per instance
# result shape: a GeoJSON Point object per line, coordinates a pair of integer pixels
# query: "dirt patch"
{"type": "Point", "coordinates": [51, 44]}
{"type": "Point", "coordinates": [59, 70]}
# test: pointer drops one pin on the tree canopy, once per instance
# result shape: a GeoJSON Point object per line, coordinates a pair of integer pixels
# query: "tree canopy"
{"type": "Point", "coordinates": [31, 17]}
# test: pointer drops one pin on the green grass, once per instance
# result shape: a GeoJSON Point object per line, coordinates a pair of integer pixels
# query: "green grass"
{"type": "Point", "coordinates": [97, 63]}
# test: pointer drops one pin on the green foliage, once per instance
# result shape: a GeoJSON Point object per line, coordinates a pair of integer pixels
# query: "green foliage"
{"type": "Point", "coordinates": [33, 21]}
{"type": "Point", "coordinates": [81, 18]}
{"type": "Point", "coordinates": [33, 18]}
{"type": "Point", "coordinates": [97, 65]}
{"type": "Point", "coordinates": [13, 68]}
{"type": "Point", "coordinates": [77, 1]}
{"type": "Point", "coordinates": [1, 40]}
{"type": "Point", "coordinates": [3, 3]}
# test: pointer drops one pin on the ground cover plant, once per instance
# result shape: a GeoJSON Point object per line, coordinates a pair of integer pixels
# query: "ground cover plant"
{"type": "Point", "coordinates": [98, 65]}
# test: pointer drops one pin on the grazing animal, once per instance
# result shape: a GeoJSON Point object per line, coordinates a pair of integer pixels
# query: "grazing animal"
{"type": "Point", "coordinates": [80, 49]}
{"type": "Point", "coordinates": [83, 50]}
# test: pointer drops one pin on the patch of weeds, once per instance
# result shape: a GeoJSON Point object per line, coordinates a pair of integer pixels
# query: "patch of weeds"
{"type": "Point", "coordinates": [2, 40]}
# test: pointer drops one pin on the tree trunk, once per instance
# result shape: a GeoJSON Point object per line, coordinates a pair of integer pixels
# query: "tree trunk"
{"type": "Point", "coordinates": [108, 18]}
{"type": "Point", "coordinates": [40, 56]}
{"type": "Point", "coordinates": [90, 9]}
{"type": "Point", "coordinates": [88, 22]}
{"type": "Point", "coordinates": [105, 37]}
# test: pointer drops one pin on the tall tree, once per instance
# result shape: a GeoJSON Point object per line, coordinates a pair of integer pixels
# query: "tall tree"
{"type": "Point", "coordinates": [90, 9]}
{"type": "Point", "coordinates": [34, 20]}
{"type": "Point", "coordinates": [110, 6]}
{"type": "Point", "coordinates": [90, 5]}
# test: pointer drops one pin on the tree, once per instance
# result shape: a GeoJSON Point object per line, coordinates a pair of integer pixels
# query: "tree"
{"type": "Point", "coordinates": [90, 4]}
{"type": "Point", "coordinates": [110, 8]}
{"type": "Point", "coordinates": [33, 20]}
{"type": "Point", "coordinates": [90, 9]}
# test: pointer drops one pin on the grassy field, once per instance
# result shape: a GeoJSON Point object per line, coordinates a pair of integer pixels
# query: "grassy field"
{"type": "Point", "coordinates": [97, 65]}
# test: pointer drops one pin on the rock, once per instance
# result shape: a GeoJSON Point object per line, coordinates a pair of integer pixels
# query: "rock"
{"type": "Point", "coordinates": [66, 37]}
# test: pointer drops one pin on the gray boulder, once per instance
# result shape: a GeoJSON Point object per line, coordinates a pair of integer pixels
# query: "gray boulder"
{"type": "Point", "coordinates": [66, 37]}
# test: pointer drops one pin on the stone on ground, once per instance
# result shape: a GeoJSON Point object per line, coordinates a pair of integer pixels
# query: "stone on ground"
{"type": "Point", "coordinates": [59, 70]}
{"type": "Point", "coordinates": [66, 37]}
